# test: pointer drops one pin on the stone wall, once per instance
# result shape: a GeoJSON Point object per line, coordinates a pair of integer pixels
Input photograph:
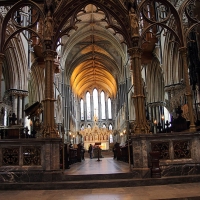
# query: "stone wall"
{"type": "Point", "coordinates": [30, 154]}
{"type": "Point", "coordinates": [180, 152]}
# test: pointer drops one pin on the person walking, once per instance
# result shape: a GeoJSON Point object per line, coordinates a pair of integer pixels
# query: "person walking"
{"type": "Point", "coordinates": [90, 151]}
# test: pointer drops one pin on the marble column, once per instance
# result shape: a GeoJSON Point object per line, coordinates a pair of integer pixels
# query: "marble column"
{"type": "Point", "coordinates": [140, 126]}
{"type": "Point", "coordinates": [188, 93]}
{"type": "Point", "coordinates": [49, 122]}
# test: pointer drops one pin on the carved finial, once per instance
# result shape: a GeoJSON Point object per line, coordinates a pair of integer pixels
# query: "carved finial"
{"type": "Point", "coordinates": [49, 6]}
{"type": "Point", "coordinates": [130, 4]}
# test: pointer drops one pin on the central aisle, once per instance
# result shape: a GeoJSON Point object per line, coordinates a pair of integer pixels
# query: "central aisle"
{"type": "Point", "coordinates": [107, 165]}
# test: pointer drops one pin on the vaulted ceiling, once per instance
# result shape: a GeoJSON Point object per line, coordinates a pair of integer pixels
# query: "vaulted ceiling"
{"type": "Point", "coordinates": [93, 56]}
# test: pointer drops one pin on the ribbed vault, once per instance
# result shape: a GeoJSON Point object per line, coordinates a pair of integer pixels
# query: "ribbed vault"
{"type": "Point", "coordinates": [93, 55]}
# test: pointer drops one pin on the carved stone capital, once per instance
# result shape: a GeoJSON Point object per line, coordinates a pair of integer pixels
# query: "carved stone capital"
{"type": "Point", "coordinates": [183, 51]}
{"type": "Point", "coordinates": [49, 55]}
{"type": "Point", "coordinates": [15, 92]}
{"type": "Point", "coordinates": [50, 132]}
{"type": "Point", "coordinates": [159, 103]}
{"type": "Point", "coordinates": [135, 41]}
{"type": "Point", "coordinates": [135, 52]}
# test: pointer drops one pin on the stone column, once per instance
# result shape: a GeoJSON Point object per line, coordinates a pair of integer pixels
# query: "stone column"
{"type": "Point", "coordinates": [140, 125]}
{"type": "Point", "coordinates": [23, 108]}
{"type": "Point", "coordinates": [67, 109]}
{"type": "Point", "coordinates": [188, 92]}
{"type": "Point", "coordinates": [15, 98]}
{"type": "Point", "coordinates": [49, 122]}
{"type": "Point", "coordinates": [106, 107]}
{"type": "Point", "coordinates": [2, 57]}
{"type": "Point", "coordinates": [85, 109]}
{"type": "Point", "coordinates": [20, 110]}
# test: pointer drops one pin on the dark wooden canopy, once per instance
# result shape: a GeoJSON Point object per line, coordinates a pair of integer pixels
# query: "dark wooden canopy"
{"type": "Point", "coordinates": [33, 109]}
{"type": "Point", "coordinates": [11, 2]}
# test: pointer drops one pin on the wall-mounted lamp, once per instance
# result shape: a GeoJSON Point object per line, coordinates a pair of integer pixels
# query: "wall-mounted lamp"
{"type": "Point", "coordinates": [163, 117]}
{"type": "Point", "coordinates": [155, 122]}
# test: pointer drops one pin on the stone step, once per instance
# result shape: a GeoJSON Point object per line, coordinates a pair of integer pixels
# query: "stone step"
{"type": "Point", "coordinates": [100, 176]}
{"type": "Point", "coordinates": [91, 184]}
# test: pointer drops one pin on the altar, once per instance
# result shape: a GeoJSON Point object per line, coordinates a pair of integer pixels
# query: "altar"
{"type": "Point", "coordinates": [94, 135]}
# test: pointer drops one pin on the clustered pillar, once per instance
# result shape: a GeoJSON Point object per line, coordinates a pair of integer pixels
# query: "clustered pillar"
{"type": "Point", "coordinates": [188, 94]}
{"type": "Point", "coordinates": [49, 123]}
{"type": "Point", "coordinates": [140, 125]}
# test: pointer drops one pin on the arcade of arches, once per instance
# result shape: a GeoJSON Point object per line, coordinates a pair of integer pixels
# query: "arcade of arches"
{"type": "Point", "coordinates": [99, 72]}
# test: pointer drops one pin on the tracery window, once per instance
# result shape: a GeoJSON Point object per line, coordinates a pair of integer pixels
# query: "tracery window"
{"type": "Point", "coordinates": [109, 109]}
{"type": "Point", "coordinates": [82, 110]}
{"type": "Point", "coordinates": [95, 107]}
{"type": "Point", "coordinates": [88, 106]}
{"type": "Point", "coordinates": [103, 106]}
{"type": "Point", "coordinates": [95, 100]}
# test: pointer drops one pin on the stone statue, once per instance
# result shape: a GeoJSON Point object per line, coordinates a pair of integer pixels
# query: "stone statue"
{"type": "Point", "coordinates": [134, 22]}
{"type": "Point", "coordinates": [48, 26]}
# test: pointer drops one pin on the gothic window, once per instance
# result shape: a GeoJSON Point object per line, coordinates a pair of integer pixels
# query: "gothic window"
{"type": "Point", "coordinates": [95, 100]}
{"type": "Point", "coordinates": [88, 106]}
{"type": "Point", "coordinates": [103, 107]}
{"type": "Point", "coordinates": [104, 126]}
{"type": "Point", "coordinates": [109, 109]}
{"type": "Point", "coordinates": [110, 127]}
{"type": "Point", "coordinates": [82, 110]}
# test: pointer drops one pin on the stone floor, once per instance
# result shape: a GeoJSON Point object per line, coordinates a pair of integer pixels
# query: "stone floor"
{"type": "Point", "coordinates": [107, 165]}
{"type": "Point", "coordinates": [190, 191]}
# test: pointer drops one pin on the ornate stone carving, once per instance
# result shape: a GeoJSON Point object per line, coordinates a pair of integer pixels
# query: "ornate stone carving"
{"type": "Point", "coordinates": [32, 155]}
{"type": "Point", "coordinates": [15, 92]}
{"type": "Point", "coordinates": [134, 23]}
{"type": "Point", "coordinates": [10, 156]}
{"type": "Point", "coordinates": [176, 95]}
{"type": "Point", "coordinates": [48, 26]}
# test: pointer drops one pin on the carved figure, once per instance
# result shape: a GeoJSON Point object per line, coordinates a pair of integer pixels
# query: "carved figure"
{"type": "Point", "coordinates": [134, 22]}
{"type": "Point", "coordinates": [48, 26]}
